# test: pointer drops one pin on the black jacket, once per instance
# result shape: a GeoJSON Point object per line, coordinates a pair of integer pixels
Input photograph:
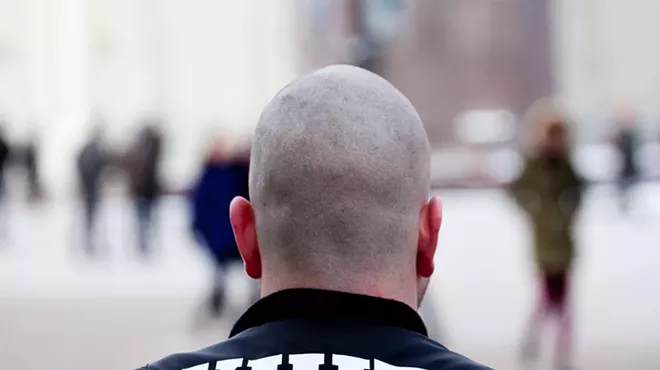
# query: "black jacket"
{"type": "Point", "coordinates": [4, 154]}
{"type": "Point", "coordinates": [628, 145]}
{"type": "Point", "coordinates": [305, 329]}
{"type": "Point", "coordinates": [143, 161]}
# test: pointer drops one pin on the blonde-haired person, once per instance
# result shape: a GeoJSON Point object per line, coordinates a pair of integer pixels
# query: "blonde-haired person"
{"type": "Point", "coordinates": [549, 192]}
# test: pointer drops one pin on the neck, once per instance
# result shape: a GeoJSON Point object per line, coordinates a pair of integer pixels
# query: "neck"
{"type": "Point", "coordinates": [397, 290]}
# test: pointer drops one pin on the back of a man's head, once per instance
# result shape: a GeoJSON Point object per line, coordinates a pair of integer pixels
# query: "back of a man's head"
{"type": "Point", "coordinates": [339, 175]}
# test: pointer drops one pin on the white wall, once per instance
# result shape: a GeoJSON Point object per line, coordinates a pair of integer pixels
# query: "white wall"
{"type": "Point", "coordinates": [201, 63]}
{"type": "Point", "coordinates": [43, 77]}
{"type": "Point", "coordinates": [608, 55]}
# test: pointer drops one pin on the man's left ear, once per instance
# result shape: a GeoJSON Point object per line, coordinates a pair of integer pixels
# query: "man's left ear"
{"type": "Point", "coordinates": [243, 223]}
{"type": "Point", "coordinates": [427, 241]}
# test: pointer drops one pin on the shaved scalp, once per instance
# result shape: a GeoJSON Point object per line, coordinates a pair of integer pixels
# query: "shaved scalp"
{"type": "Point", "coordinates": [339, 175]}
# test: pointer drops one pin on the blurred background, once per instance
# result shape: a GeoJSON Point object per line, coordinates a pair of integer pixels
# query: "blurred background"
{"type": "Point", "coordinates": [109, 108]}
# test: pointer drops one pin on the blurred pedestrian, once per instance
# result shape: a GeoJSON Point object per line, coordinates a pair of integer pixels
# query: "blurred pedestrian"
{"type": "Point", "coordinates": [627, 143]}
{"type": "Point", "coordinates": [4, 161]}
{"type": "Point", "coordinates": [31, 162]}
{"type": "Point", "coordinates": [224, 176]}
{"type": "Point", "coordinates": [549, 191]}
{"type": "Point", "coordinates": [92, 161]}
{"type": "Point", "coordinates": [142, 164]}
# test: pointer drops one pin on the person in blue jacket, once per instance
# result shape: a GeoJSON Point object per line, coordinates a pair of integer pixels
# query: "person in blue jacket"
{"type": "Point", "coordinates": [224, 176]}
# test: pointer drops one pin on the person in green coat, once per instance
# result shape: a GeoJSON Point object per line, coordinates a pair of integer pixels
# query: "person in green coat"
{"type": "Point", "coordinates": [549, 191]}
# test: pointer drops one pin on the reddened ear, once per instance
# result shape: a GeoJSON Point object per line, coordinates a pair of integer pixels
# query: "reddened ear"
{"type": "Point", "coordinates": [427, 242]}
{"type": "Point", "coordinates": [241, 215]}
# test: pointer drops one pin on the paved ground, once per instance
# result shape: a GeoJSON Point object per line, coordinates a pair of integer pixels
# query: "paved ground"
{"type": "Point", "coordinates": [60, 312]}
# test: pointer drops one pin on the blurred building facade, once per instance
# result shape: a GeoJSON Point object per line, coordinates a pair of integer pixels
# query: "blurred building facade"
{"type": "Point", "coordinates": [457, 55]}
{"type": "Point", "coordinates": [481, 54]}
{"type": "Point", "coordinates": [472, 67]}
{"type": "Point", "coordinates": [605, 58]}
{"type": "Point", "coordinates": [207, 63]}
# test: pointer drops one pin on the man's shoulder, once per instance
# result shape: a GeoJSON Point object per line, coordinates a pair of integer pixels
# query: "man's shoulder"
{"type": "Point", "coordinates": [439, 357]}
{"type": "Point", "coordinates": [192, 360]}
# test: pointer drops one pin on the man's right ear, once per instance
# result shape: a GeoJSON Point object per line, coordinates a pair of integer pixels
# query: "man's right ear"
{"type": "Point", "coordinates": [243, 223]}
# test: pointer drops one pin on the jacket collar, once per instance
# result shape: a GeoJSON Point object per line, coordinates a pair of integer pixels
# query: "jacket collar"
{"type": "Point", "coordinates": [325, 304]}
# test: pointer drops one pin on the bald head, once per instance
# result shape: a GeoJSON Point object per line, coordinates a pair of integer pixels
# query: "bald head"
{"type": "Point", "coordinates": [339, 176]}
{"type": "Point", "coordinates": [339, 172]}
